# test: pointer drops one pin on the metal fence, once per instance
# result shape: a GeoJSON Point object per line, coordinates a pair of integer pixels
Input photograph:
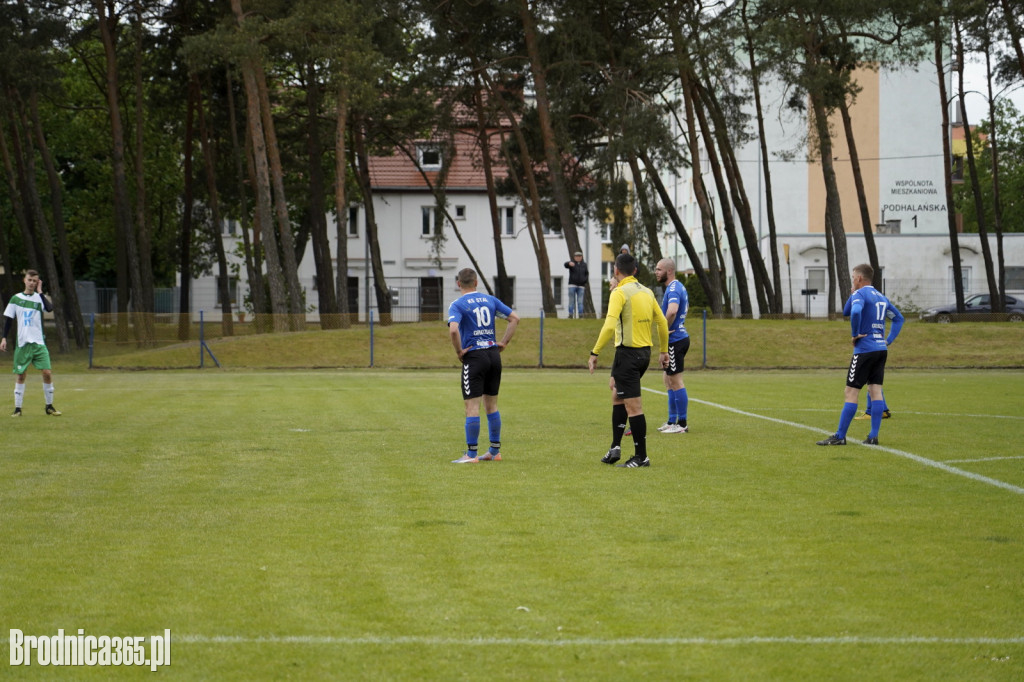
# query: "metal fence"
{"type": "Point", "coordinates": [427, 299]}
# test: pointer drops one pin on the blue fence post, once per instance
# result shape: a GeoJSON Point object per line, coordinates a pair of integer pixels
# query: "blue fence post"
{"type": "Point", "coordinates": [371, 338]}
{"type": "Point", "coordinates": [92, 336]}
{"type": "Point", "coordinates": [201, 341]}
{"type": "Point", "coordinates": [541, 360]}
{"type": "Point", "coordinates": [203, 348]}
{"type": "Point", "coordinates": [705, 331]}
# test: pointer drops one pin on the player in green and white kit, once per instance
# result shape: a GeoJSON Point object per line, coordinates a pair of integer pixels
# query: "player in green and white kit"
{"type": "Point", "coordinates": [26, 309]}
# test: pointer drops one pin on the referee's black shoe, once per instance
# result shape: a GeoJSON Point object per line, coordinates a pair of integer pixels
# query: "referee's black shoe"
{"type": "Point", "coordinates": [613, 456]}
{"type": "Point", "coordinates": [833, 440]}
{"type": "Point", "coordinates": [636, 461]}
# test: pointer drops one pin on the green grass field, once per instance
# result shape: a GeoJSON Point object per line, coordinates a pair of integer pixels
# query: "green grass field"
{"type": "Point", "coordinates": [308, 525]}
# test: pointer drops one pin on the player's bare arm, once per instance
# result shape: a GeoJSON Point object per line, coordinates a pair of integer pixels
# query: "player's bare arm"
{"type": "Point", "coordinates": [513, 322]}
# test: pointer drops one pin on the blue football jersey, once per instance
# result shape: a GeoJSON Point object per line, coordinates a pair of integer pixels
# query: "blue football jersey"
{"type": "Point", "coordinates": [474, 313]}
{"type": "Point", "coordinates": [676, 293]}
{"type": "Point", "coordinates": [868, 310]}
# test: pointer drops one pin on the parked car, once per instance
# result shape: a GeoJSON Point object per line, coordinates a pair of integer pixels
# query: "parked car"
{"type": "Point", "coordinates": [976, 307]}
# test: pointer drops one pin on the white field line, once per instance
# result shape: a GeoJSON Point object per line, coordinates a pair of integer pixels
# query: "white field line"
{"type": "Point", "coordinates": [899, 453]}
{"type": "Point", "coordinates": [958, 415]}
{"type": "Point", "coordinates": [590, 641]}
{"type": "Point", "coordinates": [982, 459]}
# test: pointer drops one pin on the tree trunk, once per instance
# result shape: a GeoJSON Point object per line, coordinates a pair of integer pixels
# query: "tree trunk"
{"type": "Point", "coordinates": [830, 258]}
{"type": "Point", "coordinates": [695, 103]}
{"type": "Point", "coordinates": [947, 175]}
{"type": "Point", "coordinates": [297, 317]}
{"type": "Point", "coordinates": [834, 224]}
{"type": "Point", "coordinates": [765, 168]}
{"type": "Point", "coordinates": [997, 201]}
{"type": "Point", "coordinates": [264, 219]}
{"type": "Point", "coordinates": [143, 324]}
{"type": "Point", "coordinates": [715, 294]}
{"type": "Point", "coordinates": [141, 213]}
{"type": "Point", "coordinates": [366, 187]}
{"type": "Point", "coordinates": [552, 155]}
{"type": "Point", "coordinates": [1013, 27]}
{"type": "Point", "coordinates": [530, 198]}
{"type": "Point", "coordinates": [17, 206]}
{"type": "Point", "coordinates": [227, 325]}
{"type": "Point", "coordinates": [650, 221]}
{"type": "Point", "coordinates": [188, 201]}
{"type": "Point", "coordinates": [341, 203]}
{"type": "Point", "coordinates": [972, 166]}
{"type": "Point", "coordinates": [737, 192]}
{"type": "Point", "coordinates": [327, 303]}
{"type": "Point", "coordinates": [254, 275]}
{"type": "Point", "coordinates": [684, 236]}
{"type": "Point", "coordinates": [71, 304]}
{"type": "Point", "coordinates": [503, 287]}
{"type": "Point", "coordinates": [19, 190]}
{"type": "Point", "coordinates": [48, 266]}
{"type": "Point", "coordinates": [862, 199]}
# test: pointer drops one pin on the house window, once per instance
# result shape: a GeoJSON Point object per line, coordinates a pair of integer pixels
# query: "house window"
{"type": "Point", "coordinates": [430, 157]}
{"type": "Point", "coordinates": [817, 278]}
{"type": "Point", "coordinates": [1014, 277]}
{"type": "Point", "coordinates": [232, 290]}
{"type": "Point", "coordinates": [508, 220]}
{"type": "Point", "coordinates": [229, 227]}
{"type": "Point", "coordinates": [431, 223]}
{"type": "Point", "coordinates": [460, 212]}
{"type": "Point", "coordinates": [353, 221]}
{"type": "Point", "coordinates": [556, 288]}
{"type": "Point", "coordinates": [965, 276]}
{"type": "Point", "coordinates": [511, 303]}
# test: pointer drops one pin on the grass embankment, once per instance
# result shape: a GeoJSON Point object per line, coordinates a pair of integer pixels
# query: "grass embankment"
{"type": "Point", "coordinates": [730, 344]}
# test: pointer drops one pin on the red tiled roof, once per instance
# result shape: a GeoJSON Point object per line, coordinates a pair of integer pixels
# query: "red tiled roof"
{"type": "Point", "coordinates": [398, 172]}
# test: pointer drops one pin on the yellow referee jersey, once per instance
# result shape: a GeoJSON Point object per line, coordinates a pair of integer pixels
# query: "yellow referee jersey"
{"type": "Point", "coordinates": [632, 309]}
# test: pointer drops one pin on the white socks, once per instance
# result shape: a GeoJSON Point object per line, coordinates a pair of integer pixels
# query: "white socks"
{"type": "Point", "coordinates": [19, 394]}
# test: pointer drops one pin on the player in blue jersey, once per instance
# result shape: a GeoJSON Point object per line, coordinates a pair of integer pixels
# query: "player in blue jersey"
{"type": "Point", "coordinates": [869, 310]}
{"type": "Point", "coordinates": [867, 411]}
{"type": "Point", "coordinates": [471, 328]}
{"type": "Point", "coordinates": [675, 303]}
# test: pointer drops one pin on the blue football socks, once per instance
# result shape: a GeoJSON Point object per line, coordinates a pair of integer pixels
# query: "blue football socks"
{"type": "Point", "coordinates": [472, 433]}
{"type": "Point", "coordinates": [877, 408]}
{"type": "Point", "coordinates": [845, 417]}
{"type": "Point", "coordinates": [494, 432]}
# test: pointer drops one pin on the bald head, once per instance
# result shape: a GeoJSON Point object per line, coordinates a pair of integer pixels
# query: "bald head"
{"type": "Point", "coordinates": [665, 271]}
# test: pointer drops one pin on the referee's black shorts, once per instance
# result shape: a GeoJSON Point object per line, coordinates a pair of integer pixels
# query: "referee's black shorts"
{"type": "Point", "coordinates": [628, 368]}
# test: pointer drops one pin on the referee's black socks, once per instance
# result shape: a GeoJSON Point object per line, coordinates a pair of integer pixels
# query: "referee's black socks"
{"type": "Point", "coordinates": [638, 424]}
{"type": "Point", "coordinates": [619, 418]}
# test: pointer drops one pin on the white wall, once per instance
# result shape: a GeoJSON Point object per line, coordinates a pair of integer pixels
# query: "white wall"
{"type": "Point", "coordinates": [407, 254]}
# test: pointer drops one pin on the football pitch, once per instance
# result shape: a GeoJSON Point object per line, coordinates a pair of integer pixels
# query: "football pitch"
{"type": "Point", "coordinates": [309, 525]}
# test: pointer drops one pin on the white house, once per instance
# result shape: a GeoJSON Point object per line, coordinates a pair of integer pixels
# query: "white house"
{"type": "Point", "coordinates": [419, 270]}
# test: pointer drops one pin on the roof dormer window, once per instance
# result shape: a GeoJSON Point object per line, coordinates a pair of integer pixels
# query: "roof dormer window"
{"type": "Point", "coordinates": [429, 157]}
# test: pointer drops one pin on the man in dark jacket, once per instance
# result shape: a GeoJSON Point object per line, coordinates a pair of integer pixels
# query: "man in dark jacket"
{"type": "Point", "coordinates": [578, 276]}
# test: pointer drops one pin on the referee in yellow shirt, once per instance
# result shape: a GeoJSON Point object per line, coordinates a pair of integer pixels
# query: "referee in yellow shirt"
{"type": "Point", "coordinates": [633, 311]}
